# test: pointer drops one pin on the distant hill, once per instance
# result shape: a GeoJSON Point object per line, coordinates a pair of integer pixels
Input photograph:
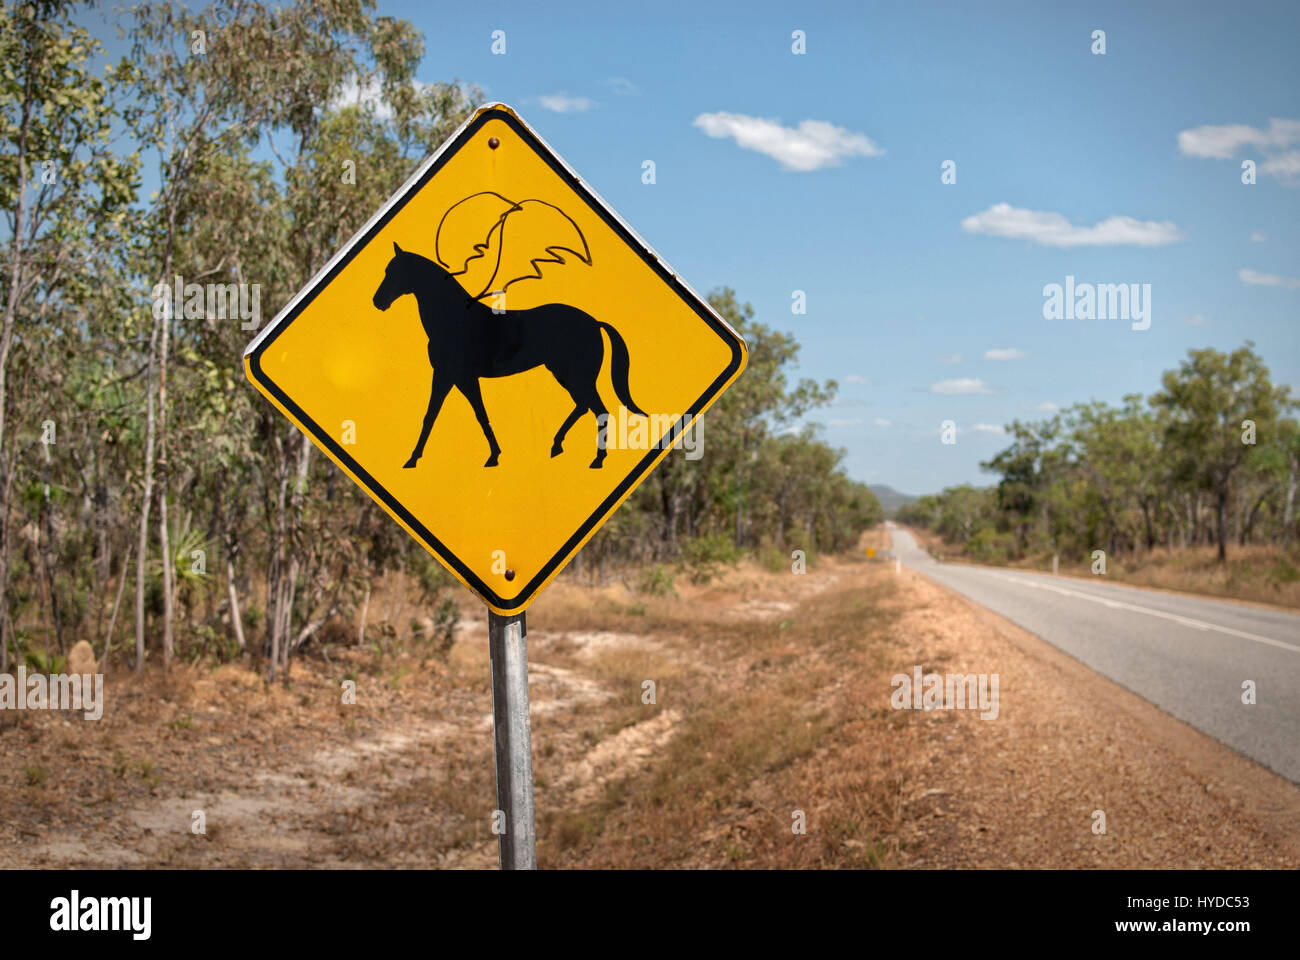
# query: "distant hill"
{"type": "Point", "coordinates": [890, 498]}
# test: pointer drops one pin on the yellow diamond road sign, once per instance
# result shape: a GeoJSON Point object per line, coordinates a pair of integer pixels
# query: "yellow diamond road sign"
{"type": "Point", "coordinates": [496, 358]}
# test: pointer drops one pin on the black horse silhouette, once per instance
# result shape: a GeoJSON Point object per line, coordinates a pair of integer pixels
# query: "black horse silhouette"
{"type": "Point", "coordinates": [468, 341]}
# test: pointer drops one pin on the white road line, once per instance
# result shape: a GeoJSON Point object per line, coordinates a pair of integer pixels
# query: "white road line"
{"type": "Point", "coordinates": [1120, 604]}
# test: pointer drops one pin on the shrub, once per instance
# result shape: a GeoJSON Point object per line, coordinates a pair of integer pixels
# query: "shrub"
{"type": "Point", "coordinates": [990, 546]}
{"type": "Point", "coordinates": [656, 581]}
{"type": "Point", "coordinates": [701, 556]}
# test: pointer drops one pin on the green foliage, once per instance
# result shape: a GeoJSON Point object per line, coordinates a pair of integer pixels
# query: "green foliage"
{"type": "Point", "coordinates": [1180, 469]}
{"type": "Point", "coordinates": [702, 556]}
{"type": "Point", "coordinates": [774, 560]}
{"type": "Point", "coordinates": [1284, 571]}
{"type": "Point", "coordinates": [205, 642]}
{"type": "Point", "coordinates": [656, 581]}
{"type": "Point", "coordinates": [244, 147]}
{"type": "Point", "coordinates": [438, 633]}
{"type": "Point", "coordinates": [759, 481]}
{"type": "Point", "coordinates": [42, 662]}
{"type": "Point", "coordinates": [991, 546]}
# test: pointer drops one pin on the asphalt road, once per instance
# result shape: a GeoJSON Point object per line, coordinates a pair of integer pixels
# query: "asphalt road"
{"type": "Point", "coordinates": [1187, 655]}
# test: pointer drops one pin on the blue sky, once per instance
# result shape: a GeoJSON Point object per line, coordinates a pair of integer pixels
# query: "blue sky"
{"type": "Point", "coordinates": [896, 289]}
{"type": "Point", "coordinates": [1067, 163]}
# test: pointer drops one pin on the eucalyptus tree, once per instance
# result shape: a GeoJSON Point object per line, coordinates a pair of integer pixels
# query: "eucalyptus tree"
{"type": "Point", "coordinates": [1218, 405]}
{"type": "Point", "coordinates": [238, 76]}
{"type": "Point", "coordinates": [64, 196]}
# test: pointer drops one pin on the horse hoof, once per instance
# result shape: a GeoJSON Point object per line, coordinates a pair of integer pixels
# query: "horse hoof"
{"type": "Point", "coordinates": [491, 461]}
{"type": "Point", "coordinates": [410, 463]}
{"type": "Point", "coordinates": [597, 463]}
{"type": "Point", "coordinates": [556, 450]}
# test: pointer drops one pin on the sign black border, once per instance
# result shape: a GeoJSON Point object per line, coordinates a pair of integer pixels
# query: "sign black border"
{"type": "Point", "coordinates": [602, 512]}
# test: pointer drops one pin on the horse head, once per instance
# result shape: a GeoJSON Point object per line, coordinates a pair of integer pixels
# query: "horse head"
{"type": "Point", "coordinates": [399, 278]}
{"type": "Point", "coordinates": [411, 273]}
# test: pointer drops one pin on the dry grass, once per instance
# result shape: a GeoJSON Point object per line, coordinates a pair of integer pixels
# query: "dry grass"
{"type": "Point", "coordinates": [771, 703]}
{"type": "Point", "coordinates": [877, 539]}
{"type": "Point", "coordinates": [772, 717]}
{"type": "Point", "coordinates": [788, 715]}
{"type": "Point", "coordinates": [1261, 574]}
{"type": "Point", "coordinates": [1255, 573]}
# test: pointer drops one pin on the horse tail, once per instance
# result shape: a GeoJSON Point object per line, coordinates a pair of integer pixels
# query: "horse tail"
{"type": "Point", "coordinates": [619, 363]}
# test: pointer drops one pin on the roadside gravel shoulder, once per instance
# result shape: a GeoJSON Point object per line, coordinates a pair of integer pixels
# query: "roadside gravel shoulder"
{"type": "Point", "coordinates": [1023, 790]}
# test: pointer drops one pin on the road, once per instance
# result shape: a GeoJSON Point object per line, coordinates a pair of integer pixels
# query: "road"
{"type": "Point", "coordinates": [1187, 655]}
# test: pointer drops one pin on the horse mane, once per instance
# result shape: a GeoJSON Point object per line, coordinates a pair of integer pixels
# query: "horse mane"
{"type": "Point", "coordinates": [444, 281]}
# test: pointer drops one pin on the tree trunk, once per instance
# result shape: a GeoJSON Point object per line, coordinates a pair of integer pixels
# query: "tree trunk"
{"type": "Point", "coordinates": [236, 618]}
{"type": "Point", "coordinates": [274, 598]}
{"type": "Point", "coordinates": [295, 559]}
{"type": "Point", "coordinates": [740, 511]}
{"type": "Point", "coordinates": [1221, 499]}
{"type": "Point", "coordinates": [103, 548]}
{"type": "Point", "coordinates": [285, 561]}
{"type": "Point", "coordinates": [668, 499]}
{"type": "Point", "coordinates": [142, 544]}
{"type": "Point", "coordinates": [1253, 514]}
{"type": "Point", "coordinates": [112, 621]}
{"type": "Point", "coordinates": [1149, 521]}
{"type": "Point", "coordinates": [168, 574]}
{"type": "Point", "coordinates": [1288, 516]}
{"type": "Point", "coordinates": [164, 538]}
{"type": "Point", "coordinates": [1182, 529]}
{"type": "Point", "coordinates": [47, 552]}
{"type": "Point", "coordinates": [8, 464]}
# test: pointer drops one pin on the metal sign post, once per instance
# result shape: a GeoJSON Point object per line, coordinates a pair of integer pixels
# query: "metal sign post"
{"type": "Point", "coordinates": [512, 741]}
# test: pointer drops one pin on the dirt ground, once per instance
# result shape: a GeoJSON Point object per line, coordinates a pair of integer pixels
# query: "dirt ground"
{"type": "Point", "coordinates": [771, 711]}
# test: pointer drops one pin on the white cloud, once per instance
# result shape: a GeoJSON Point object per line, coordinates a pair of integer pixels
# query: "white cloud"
{"type": "Point", "coordinates": [960, 387]}
{"type": "Point", "coordinates": [563, 103]}
{"type": "Point", "coordinates": [1193, 320]}
{"type": "Point", "coordinates": [950, 358]}
{"type": "Point", "coordinates": [1257, 279]}
{"type": "Point", "coordinates": [1226, 141]}
{"type": "Point", "coordinates": [1055, 230]}
{"type": "Point", "coordinates": [987, 428]}
{"type": "Point", "coordinates": [351, 93]}
{"type": "Point", "coordinates": [1223, 142]}
{"type": "Point", "coordinates": [812, 145]}
{"type": "Point", "coordinates": [1257, 237]}
{"type": "Point", "coordinates": [882, 422]}
{"type": "Point", "coordinates": [1010, 353]}
{"type": "Point", "coordinates": [854, 378]}
{"type": "Point", "coordinates": [622, 86]}
{"type": "Point", "coordinates": [1284, 166]}
{"type": "Point", "coordinates": [1047, 407]}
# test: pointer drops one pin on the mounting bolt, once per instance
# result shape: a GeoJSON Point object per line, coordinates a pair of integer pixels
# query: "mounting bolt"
{"type": "Point", "coordinates": [510, 574]}
{"type": "Point", "coordinates": [493, 143]}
